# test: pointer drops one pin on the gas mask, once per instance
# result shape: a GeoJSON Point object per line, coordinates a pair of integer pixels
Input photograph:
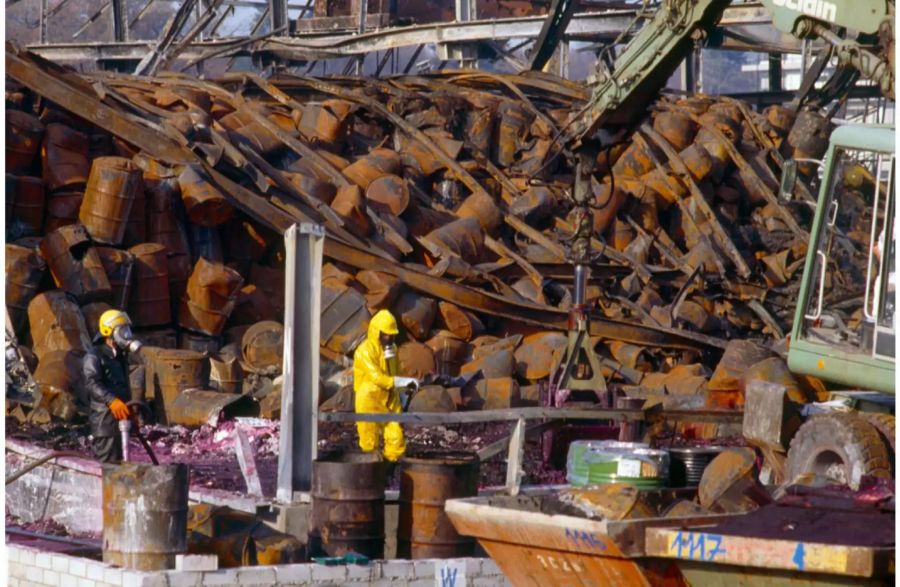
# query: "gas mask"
{"type": "Point", "coordinates": [125, 341]}
{"type": "Point", "coordinates": [391, 358]}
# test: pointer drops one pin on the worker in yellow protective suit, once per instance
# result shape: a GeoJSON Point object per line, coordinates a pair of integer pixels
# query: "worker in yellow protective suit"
{"type": "Point", "coordinates": [376, 385]}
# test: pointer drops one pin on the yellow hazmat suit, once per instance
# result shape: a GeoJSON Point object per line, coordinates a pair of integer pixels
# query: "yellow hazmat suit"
{"type": "Point", "coordinates": [373, 385]}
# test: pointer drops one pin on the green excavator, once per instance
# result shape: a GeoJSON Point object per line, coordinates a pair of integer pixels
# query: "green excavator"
{"type": "Point", "coordinates": [844, 326]}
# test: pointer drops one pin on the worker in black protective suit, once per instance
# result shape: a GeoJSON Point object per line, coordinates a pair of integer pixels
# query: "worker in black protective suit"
{"type": "Point", "coordinates": [105, 370]}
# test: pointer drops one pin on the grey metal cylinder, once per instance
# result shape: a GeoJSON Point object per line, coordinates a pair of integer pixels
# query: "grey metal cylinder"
{"type": "Point", "coordinates": [582, 274]}
{"type": "Point", "coordinates": [145, 511]}
{"type": "Point", "coordinates": [688, 463]}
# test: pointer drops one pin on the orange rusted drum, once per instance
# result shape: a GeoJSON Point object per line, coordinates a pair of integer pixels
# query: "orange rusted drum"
{"type": "Point", "coordinates": [416, 314]}
{"type": "Point", "coordinates": [461, 323]}
{"type": "Point", "coordinates": [108, 198]}
{"type": "Point", "coordinates": [204, 204]}
{"type": "Point", "coordinates": [496, 393]}
{"type": "Point", "coordinates": [449, 352]}
{"type": "Point", "coordinates": [27, 198]}
{"type": "Point", "coordinates": [515, 120]}
{"type": "Point", "coordinates": [389, 194]}
{"type": "Point", "coordinates": [367, 169]}
{"type": "Point", "coordinates": [347, 505]}
{"type": "Point", "coordinates": [145, 512]}
{"type": "Point", "coordinates": [59, 374]}
{"type": "Point", "coordinates": [634, 162]}
{"type": "Point", "coordinates": [136, 228]}
{"type": "Point", "coordinates": [149, 303]}
{"type": "Point", "coordinates": [463, 237]}
{"type": "Point", "coordinates": [23, 138]}
{"type": "Point", "coordinates": [191, 341]}
{"type": "Point", "coordinates": [427, 481]}
{"type": "Point", "coordinates": [498, 364]}
{"type": "Point", "coordinates": [382, 289]}
{"type": "Point", "coordinates": [57, 324]}
{"type": "Point", "coordinates": [351, 207]}
{"type": "Point", "coordinates": [263, 346]}
{"type": "Point", "coordinates": [677, 128]}
{"type": "Point", "coordinates": [174, 370]}
{"type": "Point", "coordinates": [75, 264]}
{"type": "Point", "coordinates": [482, 208]}
{"type": "Point", "coordinates": [225, 374]}
{"type": "Point", "coordinates": [326, 122]}
{"type": "Point", "coordinates": [119, 267]}
{"type": "Point", "coordinates": [64, 155]}
{"type": "Point", "coordinates": [212, 292]}
{"type": "Point", "coordinates": [416, 360]}
{"type": "Point", "coordinates": [24, 271]}
{"type": "Point", "coordinates": [322, 190]}
{"type": "Point", "coordinates": [62, 209]}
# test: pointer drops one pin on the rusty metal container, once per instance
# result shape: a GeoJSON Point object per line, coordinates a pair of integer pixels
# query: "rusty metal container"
{"type": "Point", "coordinates": [463, 237]}
{"type": "Point", "coordinates": [166, 338]}
{"type": "Point", "coordinates": [172, 371]}
{"type": "Point", "coordinates": [463, 324]}
{"type": "Point", "coordinates": [198, 342]}
{"type": "Point", "coordinates": [481, 207]}
{"type": "Point", "coordinates": [347, 505]}
{"type": "Point", "coordinates": [416, 313]}
{"type": "Point", "coordinates": [322, 190]}
{"type": "Point", "coordinates": [205, 205]}
{"type": "Point", "coordinates": [225, 374]}
{"type": "Point", "coordinates": [351, 207]}
{"type": "Point", "coordinates": [149, 303]}
{"type": "Point", "coordinates": [136, 228]}
{"type": "Point", "coordinates": [62, 209]}
{"type": "Point", "coordinates": [64, 155]}
{"type": "Point", "coordinates": [28, 202]}
{"type": "Point", "coordinates": [382, 288]}
{"type": "Point", "coordinates": [211, 295]}
{"type": "Point", "coordinates": [119, 267]}
{"type": "Point", "coordinates": [326, 122]}
{"type": "Point", "coordinates": [262, 346]}
{"type": "Point", "coordinates": [499, 364]}
{"type": "Point", "coordinates": [426, 483]}
{"type": "Point", "coordinates": [388, 193]}
{"type": "Point", "coordinates": [677, 128]}
{"type": "Point", "coordinates": [57, 324]}
{"type": "Point", "coordinates": [449, 351]}
{"type": "Point", "coordinates": [75, 264]}
{"type": "Point", "coordinates": [145, 509]}
{"type": "Point", "coordinates": [25, 269]}
{"type": "Point", "coordinates": [110, 193]}
{"type": "Point", "coordinates": [416, 360]}
{"type": "Point", "coordinates": [23, 138]}
{"type": "Point", "coordinates": [205, 242]}
{"type": "Point", "coordinates": [59, 373]}
{"type": "Point", "coordinates": [538, 353]}
{"type": "Point", "coordinates": [367, 169]}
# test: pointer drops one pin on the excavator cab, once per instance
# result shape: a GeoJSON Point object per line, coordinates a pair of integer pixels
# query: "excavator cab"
{"type": "Point", "coordinates": [844, 326]}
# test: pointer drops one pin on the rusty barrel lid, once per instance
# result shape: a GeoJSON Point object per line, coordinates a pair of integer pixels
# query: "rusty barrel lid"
{"type": "Point", "coordinates": [263, 345]}
{"type": "Point", "coordinates": [388, 193]}
{"type": "Point", "coordinates": [112, 188]}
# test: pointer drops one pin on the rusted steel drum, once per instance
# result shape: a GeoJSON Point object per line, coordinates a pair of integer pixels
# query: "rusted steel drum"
{"type": "Point", "coordinates": [145, 511]}
{"type": "Point", "coordinates": [64, 155]}
{"type": "Point", "coordinates": [677, 128]}
{"type": "Point", "coordinates": [174, 370]}
{"type": "Point", "coordinates": [416, 360]}
{"type": "Point", "coordinates": [136, 228]}
{"type": "Point", "coordinates": [326, 122]}
{"type": "Point", "coordinates": [119, 267]}
{"type": "Point", "coordinates": [321, 190]}
{"type": "Point", "coordinates": [24, 271]}
{"type": "Point", "coordinates": [347, 505]}
{"type": "Point", "coordinates": [463, 237]}
{"type": "Point", "coordinates": [57, 324]}
{"type": "Point", "coordinates": [166, 338]}
{"type": "Point", "coordinates": [109, 196]}
{"type": "Point", "coordinates": [461, 323]}
{"type": "Point", "coordinates": [23, 138]}
{"type": "Point", "coordinates": [482, 208]}
{"type": "Point", "coordinates": [499, 364]}
{"type": "Point", "coordinates": [198, 342]}
{"type": "Point", "coordinates": [165, 228]}
{"type": "Point", "coordinates": [205, 242]}
{"type": "Point", "coordinates": [149, 303]}
{"type": "Point", "coordinates": [225, 374]}
{"type": "Point", "coordinates": [204, 204]}
{"type": "Point", "coordinates": [388, 193]}
{"type": "Point", "coordinates": [28, 202]}
{"type": "Point", "coordinates": [62, 209]}
{"type": "Point", "coordinates": [351, 207]}
{"type": "Point", "coordinates": [92, 313]}
{"type": "Point", "coordinates": [426, 483]}
{"type": "Point", "coordinates": [212, 293]}
{"type": "Point", "coordinates": [416, 313]}
{"type": "Point", "coordinates": [449, 352]}
{"type": "Point", "coordinates": [538, 353]}
{"type": "Point", "coordinates": [75, 264]}
{"type": "Point", "coordinates": [263, 346]}
{"type": "Point", "coordinates": [60, 373]}
{"type": "Point", "coordinates": [367, 169]}
{"type": "Point", "coordinates": [515, 121]}
{"type": "Point", "coordinates": [382, 289]}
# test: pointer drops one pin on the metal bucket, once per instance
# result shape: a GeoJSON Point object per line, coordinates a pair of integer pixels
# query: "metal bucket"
{"type": "Point", "coordinates": [688, 463]}
{"type": "Point", "coordinates": [205, 205]}
{"type": "Point", "coordinates": [347, 505]}
{"type": "Point", "coordinates": [149, 303]}
{"type": "Point", "coordinates": [263, 345]}
{"type": "Point", "coordinates": [211, 295]}
{"type": "Point", "coordinates": [24, 271]}
{"type": "Point", "coordinates": [57, 324]}
{"type": "Point", "coordinates": [64, 157]}
{"type": "Point", "coordinates": [426, 483]}
{"type": "Point", "coordinates": [23, 137]}
{"type": "Point", "coordinates": [28, 202]}
{"type": "Point", "coordinates": [145, 509]}
{"type": "Point", "coordinates": [108, 198]}
{"type": "Point", "coordinates": [62, 209]}
{"type": "Point", "coordinates": [174, 370]}
{"type": "Point", "coordinates": [75, 264]}
{"type": "Point", "coordinates": [606, 461]}
{"type": "Point", "coordinates": [463, 237]}
{"type": "Point", "coordinates": [119, 267]}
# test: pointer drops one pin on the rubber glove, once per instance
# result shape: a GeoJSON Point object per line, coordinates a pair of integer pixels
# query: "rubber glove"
{"type": "Point", "coordinates": [119, 410]}
{"type": "Point", "coordinates": [405, 382]}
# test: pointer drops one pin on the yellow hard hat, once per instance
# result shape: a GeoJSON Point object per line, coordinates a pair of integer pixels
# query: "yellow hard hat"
{"type": "Point", "coordinates": [112, 319]}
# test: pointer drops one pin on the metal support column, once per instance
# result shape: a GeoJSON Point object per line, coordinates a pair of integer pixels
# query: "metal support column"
{"type": "Point", "coordinates": [278, 13]}
{"type": "Point", "coordinates": [42, 22]}
{"type": "Point", "coordinates": [119, 17]}
{"type": "Point", "coordinates": [775, 72]}
{"type": "Point", "coordinates": [297, 448]}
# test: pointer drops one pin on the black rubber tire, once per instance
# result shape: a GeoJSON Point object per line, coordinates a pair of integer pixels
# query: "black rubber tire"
{"type": "Point", "coordinates": [885, 424]}
{"type": "Point", "coordinates": [842, 446]}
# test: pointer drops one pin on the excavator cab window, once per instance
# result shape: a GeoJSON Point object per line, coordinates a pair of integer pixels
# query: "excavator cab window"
{"type": "Point", "coordinates": [850, 306]}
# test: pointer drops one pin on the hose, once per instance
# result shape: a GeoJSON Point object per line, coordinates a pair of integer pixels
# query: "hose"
{"type": "Point", "coordinates": [28, 468]}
